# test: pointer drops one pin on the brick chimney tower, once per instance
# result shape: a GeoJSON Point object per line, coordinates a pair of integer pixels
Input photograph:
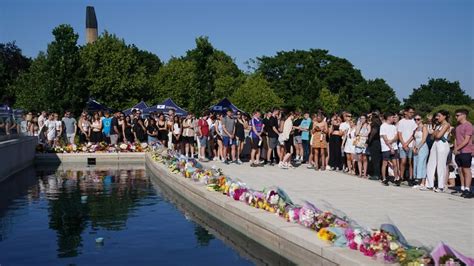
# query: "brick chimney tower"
{"type": "Point", "coordinates": [91, 25]}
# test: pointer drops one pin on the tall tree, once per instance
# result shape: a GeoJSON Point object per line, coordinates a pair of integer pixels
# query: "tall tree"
{"type": "Point", "coordinates": [373, 95]}
{"type": "Point", "coordinates": [255, 93]}
{"type": "Point", "coordinates": [176, 80]}
{"type": "Point", "coordinates": [437, 92]}
{"type": "Point", "coordinates": [114, 74]}
{"type": "Point", "coordinates": [12, 63]}
{"type": "Point", "coordinates": [56, 78]}
{"type": "Point", "coordinates": [298, 76]}
{"type": "Point", "coordinates": [328, 101]}
{"type": "Point", "coordinates": [217, 75]}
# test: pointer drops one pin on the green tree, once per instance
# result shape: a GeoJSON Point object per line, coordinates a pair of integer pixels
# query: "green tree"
{"type": "Point", "coordinates": [12, 63]}
{"type": "Point", "coordinates": [373, 95]}
{"type": "Point", "coordinates": [176, 80]}
{"type": "Point", "coordinates": [255, 93]}
{"type": "Point", "coordinates": [217, 75]}
{"type": "Point", "coordinates": [328, 101]}
{"type": "Point", "coordinates": [452, 111]}
{"type": "Point", "coordinates": [437, 92]}
{"type": "Point", "coordinates": [114, 74]}
{"type": "Point", "coordinates": [298, 76]}
{"type": "Point", "coordinates": [56, 79]}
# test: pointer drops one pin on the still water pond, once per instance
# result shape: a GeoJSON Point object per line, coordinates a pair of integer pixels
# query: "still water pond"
{"type": "Point", "coordinates": [57, 218]}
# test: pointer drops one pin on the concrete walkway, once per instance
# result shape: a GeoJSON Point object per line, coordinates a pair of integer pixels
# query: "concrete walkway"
{"type": "Point", "coordinates": [424, 218]}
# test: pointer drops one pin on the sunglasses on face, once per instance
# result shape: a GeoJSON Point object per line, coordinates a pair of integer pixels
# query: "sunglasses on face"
{"type": "Point", "coordinates": [417, 119]}
{"type": "Point", "coordinates": [458, 115]}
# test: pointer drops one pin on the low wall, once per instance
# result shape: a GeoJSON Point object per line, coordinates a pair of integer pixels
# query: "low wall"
{"type": "Point", "coordinates": [16, 154]}
{"type": "Point", "coordinates": [100, 158]}
{"type": "Point", "coordinates": [291, 241]}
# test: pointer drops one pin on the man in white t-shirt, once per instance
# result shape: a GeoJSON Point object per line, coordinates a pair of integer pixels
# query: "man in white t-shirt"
{"type": "Point", "coordinates": [405, 128]}
{"type": "Point", "coordinates": [388, 141]}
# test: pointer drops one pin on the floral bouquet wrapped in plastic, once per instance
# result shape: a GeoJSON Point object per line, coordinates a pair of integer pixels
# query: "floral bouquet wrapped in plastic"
{"type": "Point", "coordinates": [307, 215]}
{"type": "Point", "coordinates": [292, 213]}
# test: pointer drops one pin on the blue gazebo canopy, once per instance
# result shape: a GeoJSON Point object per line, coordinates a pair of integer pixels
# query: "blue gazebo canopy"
{"type": "Point", "coordinates": [140, 106]}
{"type": "Point", "coordinates": [94, 106]}
{"type": "Point", "coordinates": [164, 107]}
{"type": "Point", "coordinates": [5, 110]}
{"type": "Point", "coordinates": [223, 105]}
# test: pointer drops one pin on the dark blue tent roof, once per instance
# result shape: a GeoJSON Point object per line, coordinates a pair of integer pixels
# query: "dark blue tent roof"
{"type": "Point", "coordinates": [223, 105]}
{"type": "Point", "coordinates": [164, 107]}
{"type": "Point", "coordinates": [93, 106]}
{"type": "Point", "coordinates": [141, 106]}
{"type": "Point", "coordinates": [5, 110]}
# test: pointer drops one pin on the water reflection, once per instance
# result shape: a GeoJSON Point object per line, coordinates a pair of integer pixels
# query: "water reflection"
{"type": "Point", "coordinates": [53, 218]}
{"type": "Point", "coordinates": [103, 199]}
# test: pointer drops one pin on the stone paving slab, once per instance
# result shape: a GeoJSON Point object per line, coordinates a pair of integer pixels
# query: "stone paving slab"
{"type": "Point", "coordinates": [424, 218]}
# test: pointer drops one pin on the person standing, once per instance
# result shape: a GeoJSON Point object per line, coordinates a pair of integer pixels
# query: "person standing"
{"type": "Point", "coordinates": [70, 125]}
{"type": "Point", "coordinates": [420, 152]}
{"type": "Point", "coordinates": [256, 131]}
{"type": "Point", "coordinates": [96, 127]}
{"type": "Point", "coordinates": [318, 142]}
{"type": "Point", "coordinates": [84, 128]}
{"type": "Point", "coordinates": [349, 147]}
{"type": "Point", "coordinates": [128, 135]}
{"type": "Point", "coordinates": [305, 127]}
{"type": "Point", "coordinates": [240, 127]}
{"type": "Point", "coordinates": [152, 131]}
{"type": "Point", "coordinates": [335, 144]}
{"type": "Point", "coordinates": [374, 146]}
{"type": "Point", "coordinates": [405, 128]}
{"type": "Point", "coordinates": [228, 136]}
{"type": "Point", "coordinates": [188, 135]}
{"type": "Point", "coordinates": [439, 152]}
{"type": "Point", "coordinates": [272, 132]}
{"type": "Point", "coordinates": [388, 140]}
{"type": "Point", "coordinates": [162, 129]}
{"type": "Point", "coordinates": [51, 132]}
{"type": "Point", "coordinates": [114, 128]}
{"type": "Point", "coordinates": [59, 130]}
{"type": "Point", "coordinates": [176, 133]}
{"type": "Point", "coordinates": [362, 135]}
{"type": "Point", "coordinates": [138, 127]}
{"type": "Point", "coordinates": [203, 135]}
{"type": "Point", "coordinates": [298, 142]}
{"type": "Point", "coordinates": [285, 136]}
{"type": "Point", "coordinates": [106, 126]}
{"type": "Point", "coordinates": [463, 150]}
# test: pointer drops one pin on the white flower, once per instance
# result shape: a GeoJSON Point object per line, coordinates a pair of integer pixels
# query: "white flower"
{"type": "Point", "coordinates": [394, 245]}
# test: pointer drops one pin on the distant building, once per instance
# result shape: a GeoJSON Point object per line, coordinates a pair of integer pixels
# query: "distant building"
{"type": "Point", "coordinates": [91, 25]}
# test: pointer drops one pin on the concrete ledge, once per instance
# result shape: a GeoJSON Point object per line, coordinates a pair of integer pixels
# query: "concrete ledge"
{"type": "Point", "coordinates": [116, 158]}
{"type": "Point", "coordinates": [16, 154]}
{"type": "Point", "coordinates": [291, 241]}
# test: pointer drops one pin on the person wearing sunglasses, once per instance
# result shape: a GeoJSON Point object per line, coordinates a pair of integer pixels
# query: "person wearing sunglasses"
{"type": "Point", "coordinates": [420, 153]}
{"type": "Point", "coordinates": [463, 149]}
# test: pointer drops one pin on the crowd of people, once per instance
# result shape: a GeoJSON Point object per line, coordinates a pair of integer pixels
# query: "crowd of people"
{"type": "Point", "coordinates": [389, 147]}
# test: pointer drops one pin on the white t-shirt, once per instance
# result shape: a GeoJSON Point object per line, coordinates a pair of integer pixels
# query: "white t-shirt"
{"type": "Point", "coordinates": [406, 127]}
{"type": "Point", "coordinates": [390, 131]}
{"type": "Point", "coordinates": [41, 120]}
{"type": "Point", "coordinates": [344, 126]}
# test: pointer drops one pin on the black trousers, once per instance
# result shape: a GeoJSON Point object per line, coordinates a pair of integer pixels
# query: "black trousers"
{"type": "Point", "coordinates": [375, 158]}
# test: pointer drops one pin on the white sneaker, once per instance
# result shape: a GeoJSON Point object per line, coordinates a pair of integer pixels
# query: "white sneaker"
{"type": "Point", "coordinates": [215, 159]}
{"type": "Point", "coordinates": [416, 186]}
{"type": "Point", "coordinates": [239, 161]}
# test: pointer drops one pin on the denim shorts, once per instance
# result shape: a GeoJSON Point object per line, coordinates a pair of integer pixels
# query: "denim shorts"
{"type": "Point", "coordinates": [228, 141]}
{"type": "Point", "coordinates": [406, 154]}
{"type": "Point", "coordinates": [203, 141]}
{"type": "Point", "coordinates": [388, 156]}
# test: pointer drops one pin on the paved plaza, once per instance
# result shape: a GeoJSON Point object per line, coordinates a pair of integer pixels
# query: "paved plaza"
{"type": "Point", "coordinates": [424, 218]}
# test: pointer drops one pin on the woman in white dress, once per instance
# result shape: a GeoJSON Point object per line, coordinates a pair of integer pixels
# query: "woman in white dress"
{"type": "Point", "coordinates": [50, 126]}
{"type": "Point", "coordinates": [349, 147]}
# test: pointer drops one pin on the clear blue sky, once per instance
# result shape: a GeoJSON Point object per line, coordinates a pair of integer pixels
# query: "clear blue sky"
{"type": "Point", "coordinates": [404, 42]}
